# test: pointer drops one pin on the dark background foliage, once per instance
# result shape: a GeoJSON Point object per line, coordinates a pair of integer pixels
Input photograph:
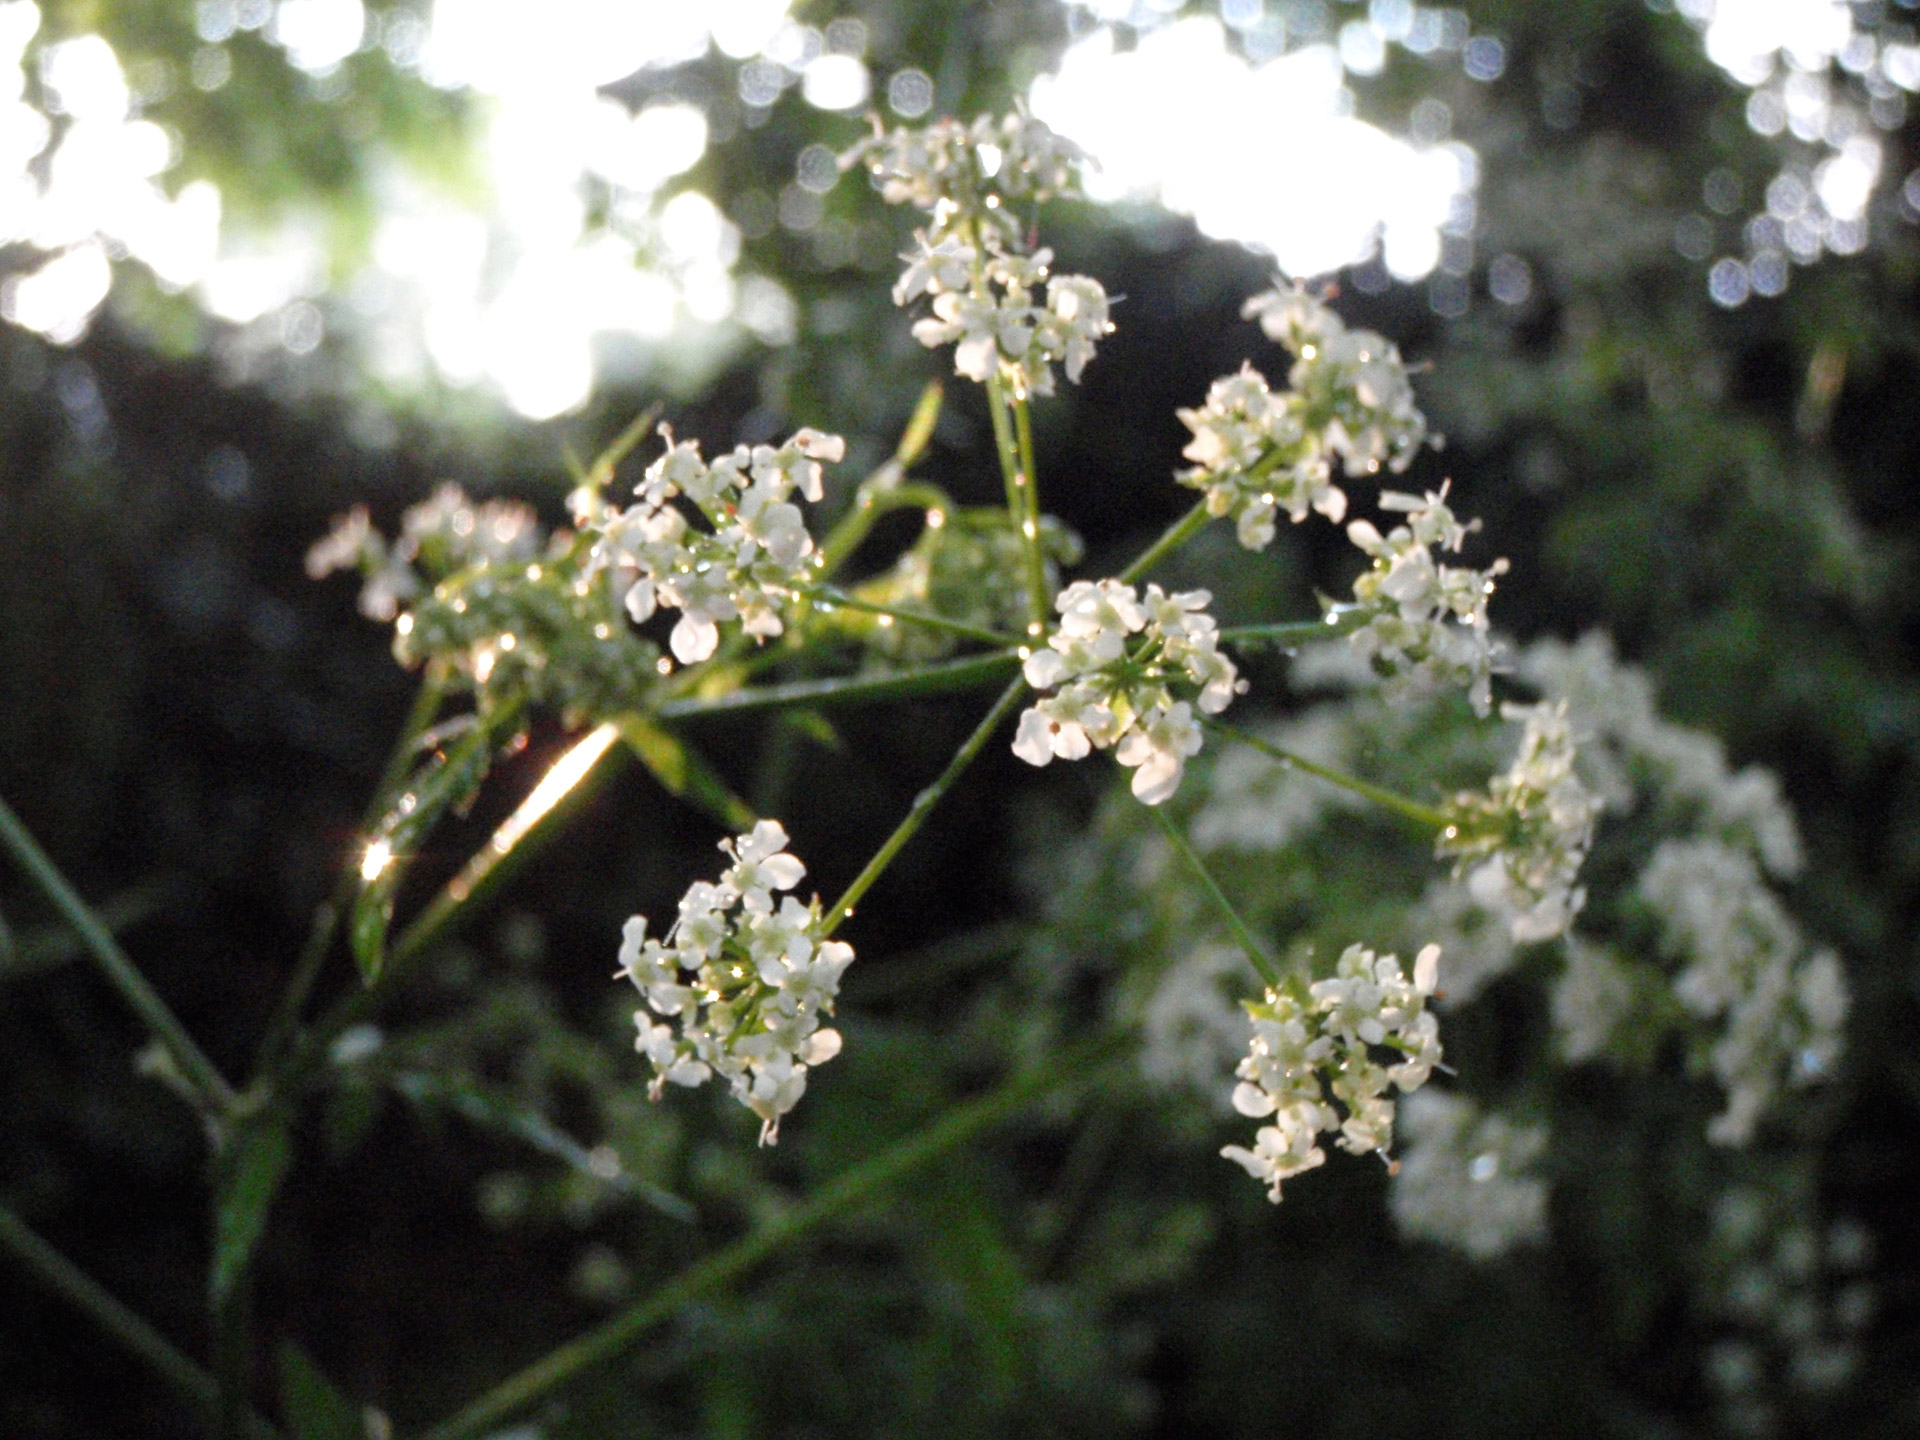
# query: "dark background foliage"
{"type": "Point", "coordinates": [192, 728]}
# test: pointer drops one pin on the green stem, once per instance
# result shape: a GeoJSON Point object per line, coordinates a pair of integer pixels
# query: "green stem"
{"type": "Point", "coordinates": [46, 946]}
{"type": "Point", "coordinates": [187, 1056]}
{"type": "Point", "coordinates": [326, 920]}
{"type": "Point", "coordinates": [1030, 521]}
{"type": "Point", "coordinates": [837, 1196]}
{"type": "Point", "coordinates": [1388, 799]}
{"type": "Point", "coordinates": [824, 596]}
{"type": "Point", "coordinates": [923, 804]}
{"type": "Point", "coordinates": [939, 679]}
{"type": "Point", "coordinates": [1249, 942]}
{"type": "Point", "coordinates": [233, 1356]}
{"type": "Point", "coordinates": [882, 491]}
{"type": "Point", "coordinates": [1290, 634]}
{"type": "Point", "coordinates": [75, 1286]}
{"type": "Point", "coordinates": [1017, 485]}
{"type": "Point", "coordinates": [1177, 534]}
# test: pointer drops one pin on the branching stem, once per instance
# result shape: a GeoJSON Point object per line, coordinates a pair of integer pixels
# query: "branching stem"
{"type": "Point", "coordinates": [1392, 800]}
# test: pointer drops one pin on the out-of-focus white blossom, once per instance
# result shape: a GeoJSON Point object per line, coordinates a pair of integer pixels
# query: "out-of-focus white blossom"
{"type": "Point", "coordinates": [1592, 995]}
{"type": "Point", "coordinates": [1126, 671]}
{"type": "Point", "coordinates": [1521, 844]}
{"type": "Point", "coordinates": [1425, 621]}
{"type": "Point", "coordinates": [746, 978]}
{"type": "Point", "coordinates": [443, 534]}
{"type": "Point", "coordinates": [1745, 964]}
{"type": "Point", "coordinates": [746, 566]}
{"type": "Point", "coordinates": [1308, 1053]}
{"type": "Point", "coordinates": [1463, 1178]}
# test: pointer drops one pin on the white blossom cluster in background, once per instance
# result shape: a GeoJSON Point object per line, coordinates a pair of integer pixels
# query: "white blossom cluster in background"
{"type": "Point", "coordinates": [1521, 844]}
{"type": "Point", "coordinates": [1791, 1297]}
{"type": "Point", "coordinates": [1425, 622]}
{"type": "Point", "coordinates": [747, 982]}
{"type": "Point", "coordinates": [1126, 671]}
{"type": "Point", "coordinates": [443, 534]}
{"type": "Point", "coordinates": [751, 562]}
{"type": "Point", "coordinates": [1465, 1177]}
{"type": "Point", "coordinates": [1779, 1006]}
{"type": "Point", "coordinates": [1257, 453]}
{"type": "Point", "coordinates": [1007, 317]}
{"type": "Point", "coordinates": [1304, 1051]}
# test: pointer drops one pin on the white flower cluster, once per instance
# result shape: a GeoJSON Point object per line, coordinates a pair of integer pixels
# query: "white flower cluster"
{"type": "Point", "coordinates": [1521, 844]}
{"type": "Point", "coordinates": [1257, 453]}
{"type": "Point", "coordinates": [1425, 619]}
{"type": "Point", "coordinates": [1352, 384]}
{"type": "Point", "coordinates": [1255, 456]}
{"type": "Point", "coordinates": [1000, 308]}
{"type": "Point", "coordinates": [1126, 671]}
{"type": "Point", "coordinates": [1795, 1301]}
{"type": "Point", "coordinates": [1780, 1009]}
{"type": "Point", "coordinates": [948, 163]}
{"type": "Point", "coordinates": [1302, 1050]}
{"type": "Point", "coordinates": [750, 562]}
{"type": "Point", "coordinates": [441, 535]}
{"type": "Point", "coordinates": [748, 982]}
{"type": "Point", "coordinates": [1464, 1178]}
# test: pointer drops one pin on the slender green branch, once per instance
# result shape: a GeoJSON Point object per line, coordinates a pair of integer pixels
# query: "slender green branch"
{"type": "Point", "coordinates": [882, 490]}
{"type": "Point", "coordinates": [187, 1056]}
{"type": "Point", "coordinates": [45, 946]}
{"type": "Point", "coordinates": [1018, 483]}
{"type": "Point", "coordinates": [942, 679]}
{"type": "Point", "coordinates": [1040, 600]}
{"type": "Point", "coordinates": [825, 596]}
{"type": "Point", "coordinates": [233, 1356]}
{"type": "Point", "coordinates": [1248, 941]}
{"type": "Point", "coordinates": [1389, 799]}
{"type": "Point", "coordinates": [426, 705]}
{"type": "Point", "coordinates": [836, 1197]}
{"type": "Point", "coordinates": [75, 1286]}
{"type": "Point", "coordinates": [923, 804]}
{"type": "Point", "coordinates": [1290, 634]}
{"type": "Point", "coordinates": [1177, 534]}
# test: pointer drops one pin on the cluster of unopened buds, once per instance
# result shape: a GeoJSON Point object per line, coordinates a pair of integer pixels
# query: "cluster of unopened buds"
{"type": "Point", "coordinates": [747, 980]}
{"type": "Point", "coordinates": [1258, 452]}
{"type": "Point", "coordinates": [751, 561]}
{"type": "Point", "coordinates": [1126, 671]}
{"type": "Point", "coordinates": [1305, 1050]}
{"type": "Point", "coordinates": [1425, 620]}
{"type": "Point", "coordinates": [1521, 844]}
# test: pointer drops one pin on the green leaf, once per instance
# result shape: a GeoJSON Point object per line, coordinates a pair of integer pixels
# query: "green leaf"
{"type": "Point", "coordinates": [252, 1169]}
{"type": "Point", "coordinates": [314, 1408]}
{"type": "Point", "coordinates": [683, 773]}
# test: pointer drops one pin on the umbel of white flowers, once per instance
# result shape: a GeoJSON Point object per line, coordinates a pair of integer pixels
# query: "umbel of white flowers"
{"type": "Point", "coordinates": [747, 981]}
{"type": "Point", "coordinates": [1521, 844]}
{"type": "Point", "coordinates": [751, 561]}
{"type": "Point", "coordinates": [1007, 317]}
{"type": "Point", "coordinates": [1425, 621]}
{"type": "Point", "coordinates": [1305, 1049]}
{"type": "Point", "coordinates": [1257, 452]}
{"type": "Point", "coordinates": [1126, 672]}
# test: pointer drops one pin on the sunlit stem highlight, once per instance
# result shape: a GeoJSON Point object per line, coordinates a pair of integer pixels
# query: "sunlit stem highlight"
{"type": "Point", "coordinates": [1022, 508]}
{"type": "Point", "coordinates": [828, 595]}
